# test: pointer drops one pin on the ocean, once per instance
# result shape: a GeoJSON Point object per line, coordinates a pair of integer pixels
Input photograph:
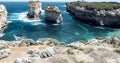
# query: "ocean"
{"type": "Point", "coordinates": [69, 31]}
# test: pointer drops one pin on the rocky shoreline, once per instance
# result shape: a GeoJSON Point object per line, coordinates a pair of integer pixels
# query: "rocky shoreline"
{"type": "Point", "coordinates": [94, 17]}
{"type": "Point", "coordinates": [104, 50]}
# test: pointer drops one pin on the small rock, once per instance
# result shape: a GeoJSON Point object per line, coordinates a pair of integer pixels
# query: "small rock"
{"type": "Point", "coordinates": [4, 53]}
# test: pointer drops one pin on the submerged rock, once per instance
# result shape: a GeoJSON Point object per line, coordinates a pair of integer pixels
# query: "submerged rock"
{"type": "Point", "coordinates": [53, 14]}
{"type": "Point", "coordinates": [3, 18]}
{"type": "Point", "coordinates": [34, 9]}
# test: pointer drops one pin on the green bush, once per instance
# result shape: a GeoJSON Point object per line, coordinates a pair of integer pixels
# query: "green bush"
{"type": "Point", "coordinates": [70, 51]}
{"type": "Point", "coordinates": [100, 38]}
{"type": "Point", "coordinates": [97, 5]}
{"type": "Point", "coordinates": [49, 41]}
{"type": "Point", "coordinates": [51, 7]}
{"type": "Point", "coordinates": [83, 41]}
{"type": "Point", "coordinates": [27, 42]}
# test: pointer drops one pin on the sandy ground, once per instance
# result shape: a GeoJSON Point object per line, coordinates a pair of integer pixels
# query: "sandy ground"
{"type": "Point", "coordinates": [17, 52]}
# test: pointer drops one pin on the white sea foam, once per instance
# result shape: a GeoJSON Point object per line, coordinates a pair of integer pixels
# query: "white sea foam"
{"type": "Point", "coordinates": [22, 17]}
{"type": "Point", "coordinates": [9, 21]}
{"type": "Point", "coordinates": [37, 23]}
{"type": "Point", "coordinates": [64, 6]}
{"type": "Point", "coordinates": [1, 35]}
{"type": "Point", "coordinates": [55, 24]}
{"type": "Point", "coordinates": [18, 38]}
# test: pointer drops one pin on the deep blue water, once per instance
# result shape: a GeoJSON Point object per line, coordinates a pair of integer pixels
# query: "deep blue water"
{"type": "Point", "coordinates": [70, 30]}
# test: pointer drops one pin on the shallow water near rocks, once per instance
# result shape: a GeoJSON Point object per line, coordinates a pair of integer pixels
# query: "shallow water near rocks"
{"type": "Point", "coordinates": [69, 31]}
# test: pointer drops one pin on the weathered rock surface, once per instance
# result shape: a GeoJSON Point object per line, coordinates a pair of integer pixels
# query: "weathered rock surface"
{"type": "Point", "coordinates": [4, 53]}
{"type": "Point", "coordinates": [75, 45]}
{"type": "Point", "coordinates": [53, 14]}
{"type": "Point", "coordinates": [36, 55]}
{"type": "Point", "coordinates": [48, 52]}
{"type": "Point", "coordinates": [103, 50]}
{"type": "Point", "coordinates": [106, 18]}
{"type": "Point", "coordinates": [27, 60]}
{"type": "Point", "coordinates": [4, 50]}
{"type": "Point", "coordinates": [35, 8]}
{"type": "Point", "coordinates": [3, 18]}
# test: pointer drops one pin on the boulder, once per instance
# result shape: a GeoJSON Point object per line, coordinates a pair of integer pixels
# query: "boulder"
{"type": "Point", "coordinates": [4, 50]}
{"type": "Point", "coordinates": [3, 18]}
{"type": "Point", "coordinates": [27, 60]}
{"type": "Point", "coordinates": [48, 52]}
{"type": "Point", "coordinates": [75, 45]}
{"type": "Point", "coordinates": [115, 41]}
{"type": "Point", "coordinates": [53, 14]}
{"type": "Point", "coordinates": [4, 53]}
{"type": "Point", "coordinates": [3, 45]}
{"type": "Point", "coordinates": [35, 8]}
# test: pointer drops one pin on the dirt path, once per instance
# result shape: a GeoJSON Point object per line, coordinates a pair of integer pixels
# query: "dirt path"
{"type": "Point", "coordinates": [17, 52]}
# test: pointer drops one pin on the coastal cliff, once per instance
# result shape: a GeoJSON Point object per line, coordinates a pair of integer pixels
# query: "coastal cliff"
{"type": "Point", "coordinates": [3, 18]}
{"type": "Point", "coordinates": [35, 8]}
{"type": "Point", "coordinates": [105, 14]}
{"type": "Point", "coordinates": [53, 14]}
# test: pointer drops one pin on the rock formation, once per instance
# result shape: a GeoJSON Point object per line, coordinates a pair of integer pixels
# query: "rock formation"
{"type": "Point", "coordinates": [53, 14]}
{"type": "Point", "coordinates": [4, 50]}
{"type": "Point", "coordinates": [35, 8]}
{"type": "Point", "coordinates": [3, 18]}
{"type": "Point", "coordinates": [83, 12]}
{"type": "Point", "coordinates": [36, 55]}
{"type": "Point", "coordinates": [47, 52]}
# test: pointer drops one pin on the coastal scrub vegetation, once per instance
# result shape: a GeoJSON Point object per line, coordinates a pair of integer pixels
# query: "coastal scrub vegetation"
{"type": "Point", "coordinates": [51, 7]}
{"type": "Point", "coordinates": [27, 42]}
{"type": "Point", "coordinates": [48, 41]}
{"type": "Point", "coordinates": [97, 5]}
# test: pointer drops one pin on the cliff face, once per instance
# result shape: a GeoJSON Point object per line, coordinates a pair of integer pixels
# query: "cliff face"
{"type": "Point", "coordinates": [3, 18]}
{"type": "Point", "coordinates": [53, 14]}
{"type": "Point", "coordinates": [34, 9]}
{"type": "Point", "coordinates": [107, 18]}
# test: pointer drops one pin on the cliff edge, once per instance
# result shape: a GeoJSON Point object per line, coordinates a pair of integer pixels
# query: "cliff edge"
{"type": "Point", "coordinates": [3, 18]}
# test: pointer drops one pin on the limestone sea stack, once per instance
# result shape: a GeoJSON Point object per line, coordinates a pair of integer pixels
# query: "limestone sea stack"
{"type": "Point", "coordinates": [3, 18]}
{"type": "Point", "coordinates": [53, 14]}
{"type": "Point", "coordinates": [35, 8]}
{"type": "Point", "coordinates": [105, 14]}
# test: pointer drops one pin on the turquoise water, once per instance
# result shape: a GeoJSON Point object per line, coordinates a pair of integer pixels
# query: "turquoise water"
{"type": "Point", "coordinates": [70, 30]}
